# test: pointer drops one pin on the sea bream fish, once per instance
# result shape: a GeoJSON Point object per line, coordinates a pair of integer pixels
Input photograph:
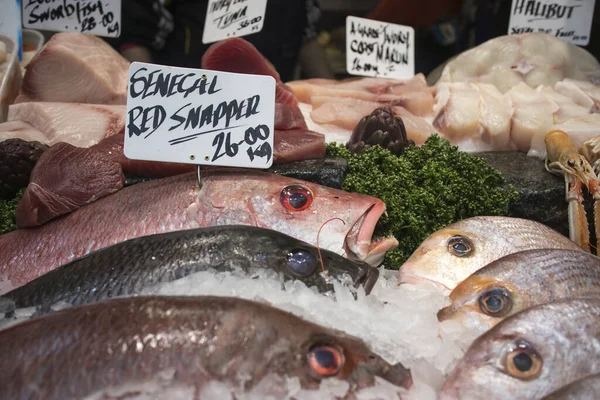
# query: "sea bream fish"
{"type": "Point", "coordinates": [129, 267]}
{"type": "Point", "coordinates": [519, 281]}
{"type": "Point", "coordinates": [227, 197]}
{"type": "Point", "coordinates": [530, 354]}
{"type": "Point", "coordinates": [453, 253]}
{"type": "Point", "coordinates": [160, 346]}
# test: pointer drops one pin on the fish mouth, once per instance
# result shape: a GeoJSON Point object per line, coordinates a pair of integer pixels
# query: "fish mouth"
{"type": "Point", "coordinates": [361, 245]}
{"type": "Point", "coordinates": [368, 280]}
{"type": "Point", "coordinates": [413, 279]}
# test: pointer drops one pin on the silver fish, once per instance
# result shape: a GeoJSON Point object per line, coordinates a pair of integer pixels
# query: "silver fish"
{"type": "Point", "coordinates": [531, 354]}
{"type": "Point", "coordinates": [451, 254]}
{"type": "Point", "coordinates": [519, 281]}
{"type": "Point", "coordinates": [586, 388]}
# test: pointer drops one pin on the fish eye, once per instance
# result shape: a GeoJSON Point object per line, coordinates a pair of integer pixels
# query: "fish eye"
{"type": "Point", "coordinates": [296, 198]}
{"type": "Point", "coordinates": [460, 246]}
{"type": "Point", "coordinates": [325, 361]}
{"type": "Point", "coordinates": [495, 302]}
{"type": "Point", "coordinates": [301, 262]}
{"type": "Point", "coordinates": [523, 362]}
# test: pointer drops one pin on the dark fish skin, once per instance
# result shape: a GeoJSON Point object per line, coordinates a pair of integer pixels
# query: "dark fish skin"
{"type": "Point", "coordinates": [84, 350]}
{"type": "Point", "coordinates": [127, 268]}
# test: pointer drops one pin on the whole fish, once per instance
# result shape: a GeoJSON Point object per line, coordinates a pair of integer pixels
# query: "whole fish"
{"type": "Point", "coordinates": [127, 268]}
{"type": "Point", "coordinates": [530, 354]}
{"type": "Point", "coordinates": [522, 280]}
{"type": "Point", "coordinates": [227, 197]}
{"type": "Point", "coordinates": [586, 388]}
{"type": "Point", "coordinates": [123, 345]}
{"type": "Point", "coordinates": [451, 254]}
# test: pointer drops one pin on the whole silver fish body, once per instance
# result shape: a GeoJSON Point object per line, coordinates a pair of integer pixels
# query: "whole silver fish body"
{"type": "Point", "coordinates": [124, 347]}
{"type": "Point", "coordinates": [488, 238]}
{"type": "Point", "coordinates": [129, 267]}
{"type": "Point", "coordinates": [529, 278]}
{"type": "Point", "coordinates": [586, 388]}
{"type": "Point", "coordinates": [566, 336]}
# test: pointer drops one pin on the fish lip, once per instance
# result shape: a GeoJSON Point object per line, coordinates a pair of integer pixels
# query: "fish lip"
{"type": "Point", "coordinates": [359, 243]}
{"type": "Point", "coordinates": [368, 280]}
{"type": "Point", "coordinates": [417, 279]}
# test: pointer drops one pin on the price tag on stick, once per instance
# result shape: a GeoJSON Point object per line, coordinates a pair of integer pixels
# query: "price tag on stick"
{"type": "Point", "coordinates": [201, 117]}
{"type": "Point", "coordinates": [379, 49]}
{"type": "Point", "coordinates": [233, 18]}
{"type": "Point", "coordinates": [97, 17]}
{"type": "Point", "coordinates": [570, 20]}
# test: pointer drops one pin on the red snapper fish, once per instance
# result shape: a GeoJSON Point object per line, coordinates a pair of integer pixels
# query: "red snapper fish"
{"type": "Point", "coordinates": [228, 196]}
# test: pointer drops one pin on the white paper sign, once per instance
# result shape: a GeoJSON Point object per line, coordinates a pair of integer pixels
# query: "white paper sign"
{"type": "Point", "coordinates": [233, 18]}
{"type": "Point", "coordinates": [379, 49]}
{"type": "Point", "coordinates": [97, 17]}
{"type": "Point", "coordinates": [198, 116]}
{"type": "Point", "coordinates": [10, 22]}
{"type": "Point", "coordinates": [570, 20]}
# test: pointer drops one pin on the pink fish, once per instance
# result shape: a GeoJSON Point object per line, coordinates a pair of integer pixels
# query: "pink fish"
{"type": "Point", "coordinates": [227, 196]}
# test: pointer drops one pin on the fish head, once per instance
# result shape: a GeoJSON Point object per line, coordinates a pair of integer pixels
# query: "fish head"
{"type": "Point", "coordinates": [297, 260]}
{"type": "Point", "coordinates": [515, 360]}
{"type": "Point", "coordinates": [447, 257]}
{"type": "Point", "coordinates": [348, 359]}
{"type": "Point", "coordinates": [481, 301]}
{"type": "Point", "coordinates": [331, 219]}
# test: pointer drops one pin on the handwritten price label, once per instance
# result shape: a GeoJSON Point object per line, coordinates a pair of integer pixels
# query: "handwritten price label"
{"type": "Point", "coordinates": [233, 18]}
{"type": "Point", "coordinates": [97, 17]}
{"type": "Point", "coordinates": [199, 116]}
{"type": "Point", "coordinates": [570, 20]}
{"type": "Point", "coordinates": [378, 49]}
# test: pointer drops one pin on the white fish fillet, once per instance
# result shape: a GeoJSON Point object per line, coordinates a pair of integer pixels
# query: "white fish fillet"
{"type": "Point", "coordinates": [336, 118]}
{"type": "Point", "coordinates": [585, 94]}
{"type": "Point", "coordinates": [533, 116]}
{"type": "Point", "coordinates": [533, 58]}
{"type": "Point", "coordinates": [76, 68]}
{"type": "Point", "coordinates": [580, 130]}
{"type": "Point", "coordinates": [21, 130]}
{"type": "Point", "coordinates": [412, 94]}
{"type": "Point", "coordinates": [81, 125]}
{"type": "Point", "coordinates": [474, 116]}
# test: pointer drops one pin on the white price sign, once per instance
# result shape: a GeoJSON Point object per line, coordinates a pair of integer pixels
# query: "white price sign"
{"type": "Point", "coordinates": [379, 49]}
{"type": "Point", "coordinates": [570, 20]}
{"type": "Point", "coordinates": [197, 116]}
{"type": "Point", "coordinates": [96, 17]}
{"type": "Point", "coordinates": [10, 22]}
{"type": "Point", "coordinates": [233, 18]}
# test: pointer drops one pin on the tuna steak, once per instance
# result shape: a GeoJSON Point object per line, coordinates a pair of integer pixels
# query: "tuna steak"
{"type": "Point", "coordinates": [166, 345]}
{"type": "Point", "coordinates": [76, 68]}
{"type": "Point", "coordinates": [129, 267]}
{"type": "Point", "coordinates": [228, 196]}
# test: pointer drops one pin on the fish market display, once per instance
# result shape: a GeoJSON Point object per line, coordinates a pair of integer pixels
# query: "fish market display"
{"type": "Point", "coordinates": [519, 281]}
{"type": "Point", "coordinates": [227, 196]}
{"type": "Point", "coordinates": [508, 60]}
{"type": "Point", "coordinates": [531, 354]}
{"type": "Point", "coordinates": [76, 68]}
{"type": "Point", "coordinates": [451, 254]}
{"type": "Point", "coordinates": [180, 345]}
{"type": "Point", "coordinates": [131, 266]}
{"type": "Point", "coordinates": [586, 388]}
